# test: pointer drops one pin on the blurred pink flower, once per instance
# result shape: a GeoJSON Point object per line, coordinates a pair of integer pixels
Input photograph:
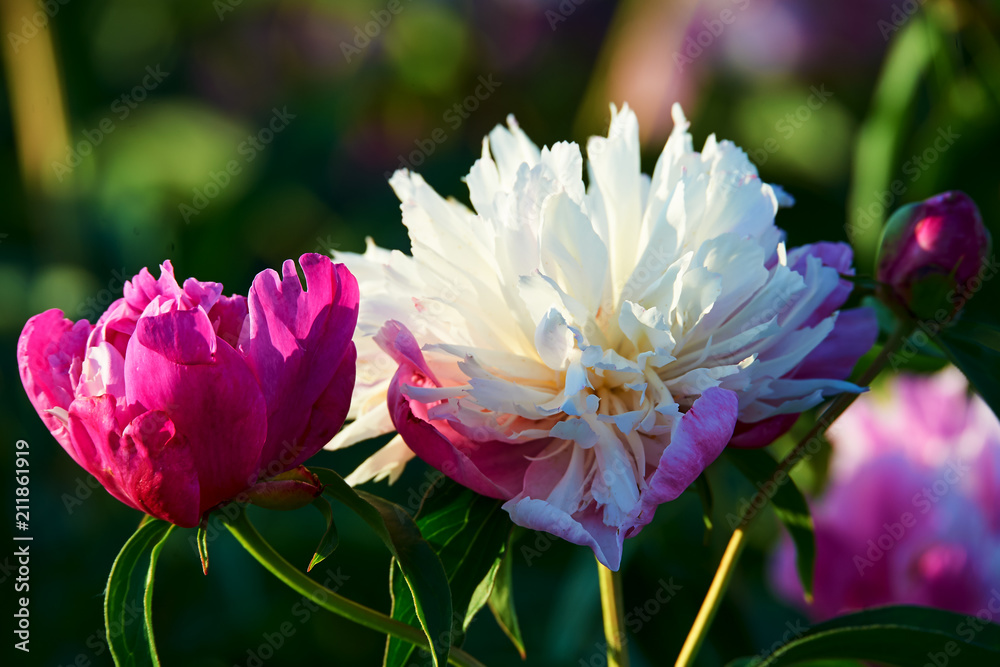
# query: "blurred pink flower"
{"type": "Point", "coordinates": [180, 398]}
{"type": "Point", "coordinates": [912, 514]}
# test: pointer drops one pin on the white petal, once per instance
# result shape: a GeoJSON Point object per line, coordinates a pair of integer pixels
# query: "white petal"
{"type": "Point", "coordinates": [387, 462]}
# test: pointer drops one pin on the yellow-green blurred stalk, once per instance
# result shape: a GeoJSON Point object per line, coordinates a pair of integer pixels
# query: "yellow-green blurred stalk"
{"type": "Point", "coordinates": [35, 92]}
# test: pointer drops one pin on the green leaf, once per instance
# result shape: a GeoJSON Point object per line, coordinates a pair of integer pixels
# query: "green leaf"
{"type": "Point", "coordinates": [330, 538]}
{"type": "Point", "coordinates": [900, 635]}
{"type": "Point", "coordinates": [977, 332]}
{"type": "Point", "coordinates": [128, 600]}
{"type": "Point", "coordinates": [758, 466]}
{"type": "Point", "coordinates": [973, 348]}
{"type": "Point", "coordinates": [502, 600]}
{"type": "Point", "coordinates": [422, 570]}
{"type": "Point", "coordinates": [469, 532]}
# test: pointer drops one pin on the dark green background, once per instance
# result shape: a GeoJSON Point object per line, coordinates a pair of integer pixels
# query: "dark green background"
{"type": "Point", "coordinates": [320, 185]}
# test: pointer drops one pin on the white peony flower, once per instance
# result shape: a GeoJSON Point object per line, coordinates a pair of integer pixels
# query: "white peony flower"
{"type": "Point", "coordinates": [584, 350]}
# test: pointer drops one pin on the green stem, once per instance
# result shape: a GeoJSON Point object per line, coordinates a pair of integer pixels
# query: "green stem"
{"type": "Point", "coordinates": [259, 548]}
{"type": "Point", "coordinates": [699, 629]}
{"type": "Point", "coordinates": [613, 612]}
{"type": "Point", "coordinates": [713, 599]}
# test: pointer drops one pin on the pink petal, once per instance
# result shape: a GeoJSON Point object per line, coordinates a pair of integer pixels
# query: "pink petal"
{"type": "Point", "coordinates": [50, 352]}
{"type": "Point", "coordinates": [585, 528]}
{"type": "Point", "coordinates": [298, 340]}
{"type": "Point", "coordinates": [93, 426]}
{"type": "Point", "coordinates": [142, 289]}
{"type": "Point", "coordinates": [835, 255]}
{"type": "Point", "coordinates": [853, 334]}
{"type": "Point", "coordinates": [428, 443]}
{"type": "Point", "coordinates": [182, 336]}
{"type": "Point", "coordinates": [702, 435]}
{"type": "Point", "coordinates": [215, 405]}
{"type": "Point", "coordinates": [323, 422]}
{"type": "Point", "coordinates": [494, 469]}
{"type": "Point", "coordinates": [762, 433]}
{"type": "Point", "coordinates": [157, 470]}
{"type": "Point", "coordinates": [228, 316]}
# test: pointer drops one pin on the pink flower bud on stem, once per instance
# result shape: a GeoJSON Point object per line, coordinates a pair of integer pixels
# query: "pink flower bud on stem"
{"type": "Point", "coordinates": [929, 251]}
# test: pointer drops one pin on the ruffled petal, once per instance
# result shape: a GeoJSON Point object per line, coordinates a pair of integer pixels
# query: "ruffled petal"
{"type": "Point", "coordinates": [494, 469]}
{"type": "Point", "coordinates": [298, 341]}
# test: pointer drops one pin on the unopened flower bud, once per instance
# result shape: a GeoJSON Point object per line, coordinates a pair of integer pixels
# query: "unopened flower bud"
{"type": "Point", "coordinates": [931, 248]}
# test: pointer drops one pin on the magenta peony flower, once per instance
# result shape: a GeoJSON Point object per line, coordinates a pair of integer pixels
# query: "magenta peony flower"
{"type": "Point", "coordinates": [931, 247]}
{"type": "Point", "coordinates": [912, 513]}
{"type": "Point", "coordinates": [180, 398]}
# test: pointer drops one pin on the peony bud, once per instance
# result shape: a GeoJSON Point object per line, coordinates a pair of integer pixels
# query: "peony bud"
{"type": "Point", "coordinates": [287, 491]}
{"type": "Point", "coordinates": [931, 248]}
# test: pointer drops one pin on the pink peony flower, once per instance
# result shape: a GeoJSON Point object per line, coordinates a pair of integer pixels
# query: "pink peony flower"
{"type": "Point", "coordinates": [912, 512]}
{"type": "Point", "coordinates": [583, 351]}
{"type": "Point", "coordinates": [180, 398]}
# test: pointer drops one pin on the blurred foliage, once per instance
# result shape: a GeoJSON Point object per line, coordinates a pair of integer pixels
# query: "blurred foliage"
{"type": "Point", "coordinates": [363, 90]}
